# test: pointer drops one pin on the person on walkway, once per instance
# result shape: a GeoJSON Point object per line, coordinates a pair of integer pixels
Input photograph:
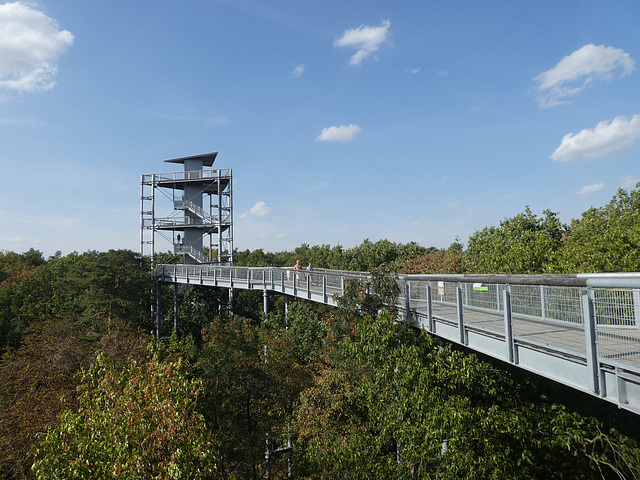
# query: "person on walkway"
{"type": "Point", "coordinates": [309, 270]}
{"type": "Point", "coordinates": [297, 267]}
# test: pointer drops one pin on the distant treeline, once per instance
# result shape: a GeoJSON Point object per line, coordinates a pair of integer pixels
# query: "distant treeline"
{"type": "Point", "coordinates": [604, 239]}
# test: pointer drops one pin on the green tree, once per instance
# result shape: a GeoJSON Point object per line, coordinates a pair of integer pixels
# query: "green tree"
{"type": "Point", "coordinates": [394, 402]}
{"type": "Point", "coordinates": [140, 422]}
{"type": "Point", "coordinates": [605, 239]}
{"type": "Point", "coordinates": [95, 287]}
{"type": "Point", "coordinates": [522, 244]}
{"type": "Point", "coordinates": [235, 387]}
{"type": "Point", "coordinates": [112, 285]}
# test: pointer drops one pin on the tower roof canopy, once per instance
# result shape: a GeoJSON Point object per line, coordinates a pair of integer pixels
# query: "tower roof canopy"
{"type": "Point", "coordinates": [207, 159]}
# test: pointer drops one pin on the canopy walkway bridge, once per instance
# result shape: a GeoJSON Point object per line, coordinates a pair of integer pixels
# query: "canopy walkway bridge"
{"type": "Point", "coordinates": [581, 330]}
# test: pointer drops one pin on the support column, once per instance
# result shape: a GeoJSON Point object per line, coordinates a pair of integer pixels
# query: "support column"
{"type": "Point", "coordinates": [158, 311]}
{"type": "Point", "coordinates": [175, 308]}
{"type": "Point", "coordinates": [265, 301]}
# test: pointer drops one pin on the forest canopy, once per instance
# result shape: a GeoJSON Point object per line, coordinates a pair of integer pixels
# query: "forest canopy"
{"type": "Point", "coordinates": [309, 391]}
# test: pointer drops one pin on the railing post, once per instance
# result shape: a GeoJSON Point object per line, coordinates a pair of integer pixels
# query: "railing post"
{"type": "Point", "coordinates": [430, 309]}
{"type": "Point", "coordinates": [508, 324]}
{"type": "Point", "coordinates": [543, 310]}
{"type": "Point", "coordinates": [636, 307]}
{"type": "Point", "coordinates": [407, 300]}
{"type": "Point", "coordinates": [459, 294]}
{"type": "Point", "coordinates": [591, 340]}
{"type": "Point", "coordinates": [324, 288]}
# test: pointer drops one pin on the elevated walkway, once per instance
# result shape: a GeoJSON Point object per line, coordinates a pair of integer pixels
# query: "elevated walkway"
{"type": "Point", "coordinates": [581, 330]}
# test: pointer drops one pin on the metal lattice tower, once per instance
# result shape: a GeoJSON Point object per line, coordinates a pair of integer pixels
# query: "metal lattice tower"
{"type": "Point", "coordinates": [202, 203]}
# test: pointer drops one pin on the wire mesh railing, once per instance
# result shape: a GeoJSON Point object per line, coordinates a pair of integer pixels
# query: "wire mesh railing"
{"type": "Point", "coordinates": [549, 316]}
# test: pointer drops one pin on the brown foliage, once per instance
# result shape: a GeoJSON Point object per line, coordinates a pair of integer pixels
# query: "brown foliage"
{"type": "Point", "coordinates": [39, 379]}
{"type": "Point", "coordinates": [433, 262]}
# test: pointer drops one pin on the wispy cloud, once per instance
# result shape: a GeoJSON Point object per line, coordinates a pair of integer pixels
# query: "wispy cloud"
{"type": "Point", "coordinates": [628, 181]}
{"type": "Point", "coordinates": [7, 121]}
{"type": "Point", "coordinates": [213, 120]}
{"type": "Point", "coordinates": [30, 45]}
{"type": "Point", "coordinates": [576, 71]}
{"type": "Point", "coordinates": [260, 209]}
{"type": "Point", "coordinates": [607, 138]}
{"type": "Point", "coordinates": [343, 133]}
{"type": "Point", "coordinates": [589, 189]}
{"type": "Point", "coordinates": [297, 70]}
{"type": "Point", "coordinates": [366, 39]}
{"type": "Point", "coordinates": [314, 187]}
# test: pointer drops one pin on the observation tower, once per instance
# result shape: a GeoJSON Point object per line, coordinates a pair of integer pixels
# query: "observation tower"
{"type": "Point", "coordinates": [192, 209]}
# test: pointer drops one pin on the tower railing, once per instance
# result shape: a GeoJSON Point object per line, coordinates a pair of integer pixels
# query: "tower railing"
{"type": "Point", "coordinates": [195, 209]}
{"type": "Point", "coordinates": [180, 249]}
{"type": "Point", "coordinates": [224, 173]}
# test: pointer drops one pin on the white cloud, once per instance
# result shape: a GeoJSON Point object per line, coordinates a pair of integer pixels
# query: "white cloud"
{"type": "Point", "coordinates": [628, 181]}
{"type": "Point", "coordinates": [343, 133]}
{"type": "Point", "coordinates": [607, 138]}
{"type": "Point", "coordinates": [297, 71]}
{"type": "Point", "coordinates": [30, 45]}
{"type": "Point", "coordinates": [589, 189]}
{"type": "Point", "coordinates": [260, 209]}
{"type": "Point", "coordinates": [576, 71]}
{"type": "Point", "coordinates": [365, 38]}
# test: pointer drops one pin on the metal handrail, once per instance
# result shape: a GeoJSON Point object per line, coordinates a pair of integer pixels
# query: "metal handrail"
{"type": "Point", "coordinates": [180, 249]}
{"type": "Point", "coordinates": [196, 209]}
{"type": "Point", "coordinates": [224, 174]}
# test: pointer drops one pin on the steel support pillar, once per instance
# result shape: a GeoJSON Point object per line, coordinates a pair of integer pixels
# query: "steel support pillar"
{"type": "Point", "coordinates": [265, 301]}
{"type": "Point", "coordinates": [158, 311]}
{"type": "Point", "coordinates": [175, 308]}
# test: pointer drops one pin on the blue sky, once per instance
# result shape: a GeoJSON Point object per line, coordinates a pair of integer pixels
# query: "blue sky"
{"type": "Point", "coordinates": [410, 121]}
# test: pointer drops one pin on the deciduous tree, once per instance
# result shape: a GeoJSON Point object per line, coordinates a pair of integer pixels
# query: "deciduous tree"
{"type": "Point", "coordinates": [138, 422]}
